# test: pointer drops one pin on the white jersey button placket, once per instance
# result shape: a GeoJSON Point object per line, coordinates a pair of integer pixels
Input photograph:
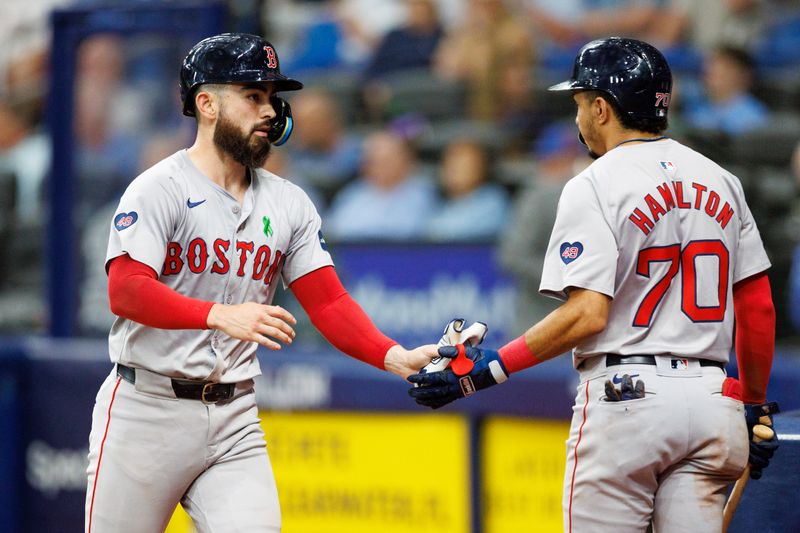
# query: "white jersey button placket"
{"type": "Point", "coordinates": [231, 281]}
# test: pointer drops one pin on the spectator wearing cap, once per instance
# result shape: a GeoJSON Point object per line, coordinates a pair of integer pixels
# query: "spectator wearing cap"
{"type": "Point", "coordinates": [725, 103]}
{"type": "Point", "coordinates": [558, 157]}
{"type": "Point", "coordinates": [472, 208]}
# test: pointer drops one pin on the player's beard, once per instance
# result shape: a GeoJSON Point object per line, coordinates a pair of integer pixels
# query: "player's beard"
{"type": "Point", "coordinates": [591, 133]}
{"type": "Point", "coordinates": [245, 148]}
{"type": "Point", "coordinates": [592, 153]}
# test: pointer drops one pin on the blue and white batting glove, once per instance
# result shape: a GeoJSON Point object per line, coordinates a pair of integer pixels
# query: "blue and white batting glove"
{"type": "Point", "coordinates": [470, 370]}
{"type": "Point", "coordinates": [763, 439]}
{"type": "Point", "coordinates": [454, 333]}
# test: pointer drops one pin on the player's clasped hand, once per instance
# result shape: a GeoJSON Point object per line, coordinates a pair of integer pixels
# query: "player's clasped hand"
{"type": "Point", "coordinates": [267, 325]}
{"type": "Point", "coordinates": [471, 370]}
{"type": "Point", "coordinates": [627, 390]}
{"type": "Point", "coordinates": [404, 362]}
{"type": "Point", "coordinates": [763, 439]}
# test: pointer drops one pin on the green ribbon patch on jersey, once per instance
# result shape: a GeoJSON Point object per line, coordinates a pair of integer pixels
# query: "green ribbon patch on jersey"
{"type": "Point", "coordinates": [267, 227]}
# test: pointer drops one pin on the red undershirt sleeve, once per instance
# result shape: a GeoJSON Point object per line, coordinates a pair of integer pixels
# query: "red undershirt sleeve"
{"type": "Point", "coordinates": [755, 335]}
{"type": "Point", "coordinates": [339, 318]}
{"type": "Point", "coordinates": [135, 293]}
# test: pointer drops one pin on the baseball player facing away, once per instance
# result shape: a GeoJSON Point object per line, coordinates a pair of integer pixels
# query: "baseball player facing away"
{"type": "Point", "coordinates": [655, 253]}
{"type": "Point", "coordinates": [197, 247]}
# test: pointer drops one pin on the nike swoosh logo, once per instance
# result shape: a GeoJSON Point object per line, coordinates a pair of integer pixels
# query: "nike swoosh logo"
{"type": "Point", "coordinates": [617, 380]}
{"type": "Point", "coordinates": [190, 204]}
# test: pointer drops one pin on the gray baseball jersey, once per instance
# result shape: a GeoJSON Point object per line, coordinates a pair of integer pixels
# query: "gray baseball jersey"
{"type": "Point", "coordinates": [666, 233]}
{"type": "Point", "coordinates": [204, 244]}
{"type": "Point", "coordinates": [145, 439]}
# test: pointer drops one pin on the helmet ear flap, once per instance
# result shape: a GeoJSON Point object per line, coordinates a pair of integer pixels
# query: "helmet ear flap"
{"type": "Point", "coordinates": [281, 126]}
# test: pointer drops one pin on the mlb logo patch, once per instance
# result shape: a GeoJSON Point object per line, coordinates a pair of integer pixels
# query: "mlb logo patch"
{"type": "Point", "coordinates": [669, 166]}
{"type": "Point", "coordinates": [679, 364]}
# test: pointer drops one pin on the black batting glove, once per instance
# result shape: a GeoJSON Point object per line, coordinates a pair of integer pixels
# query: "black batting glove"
{"type": "Point", "coordinates": [627, 390]}
{"type": "Point", "coordinates": [471, 370]}
{"type": "Point", "coordinates": [761, 434]}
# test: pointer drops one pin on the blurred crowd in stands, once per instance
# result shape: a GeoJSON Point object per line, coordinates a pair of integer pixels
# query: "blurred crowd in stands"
{"type": "Point", "coordinates": [422, 120]}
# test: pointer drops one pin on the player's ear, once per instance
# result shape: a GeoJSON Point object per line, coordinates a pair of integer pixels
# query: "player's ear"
{"type": "Point", "coordinates": [206, 103]}
{"type": "Point", "coordinates": [601, 110]}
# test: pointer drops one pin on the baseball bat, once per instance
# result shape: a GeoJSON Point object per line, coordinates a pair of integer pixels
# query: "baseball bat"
{"type": "Point", "coordinates": [760, 432]}
{"type": "Point", "coordinates": [733, 499]}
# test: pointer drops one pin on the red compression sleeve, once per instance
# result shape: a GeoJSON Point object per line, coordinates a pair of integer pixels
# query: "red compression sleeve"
{"type": "Point", "coordinates": [135, 293]}
{"type": "Point", "coordinates": [339, 318]}
{"type": "Point", "coordinates": [755, 335]}
{"type": "Point", "coordinates": [517, 356]}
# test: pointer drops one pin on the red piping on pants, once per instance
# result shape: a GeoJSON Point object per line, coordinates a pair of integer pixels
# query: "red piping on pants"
{"type": "Point", "coordinates": [100, 457]}
{"type": "Point", "coordinates": [575, 462]}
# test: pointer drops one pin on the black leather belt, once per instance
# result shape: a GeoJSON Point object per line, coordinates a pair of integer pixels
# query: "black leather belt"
{"type": "Point", "coordinates": [205, 391]}
{"type": "Point", "coordinates": [614, 360]}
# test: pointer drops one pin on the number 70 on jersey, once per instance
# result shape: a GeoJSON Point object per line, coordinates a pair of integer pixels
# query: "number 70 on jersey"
{"type": "Point", "coordinates": [683, 261]}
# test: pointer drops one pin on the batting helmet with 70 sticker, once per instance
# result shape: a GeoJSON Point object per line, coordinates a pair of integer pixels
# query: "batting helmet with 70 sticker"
{"type": "Point", "coordinates": [633, 73]}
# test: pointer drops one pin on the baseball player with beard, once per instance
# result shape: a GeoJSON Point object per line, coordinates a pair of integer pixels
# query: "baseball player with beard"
{"type": "Point", "coordinates": [655, 254]}
{"type": "Point", "coordinates": [196, 250]}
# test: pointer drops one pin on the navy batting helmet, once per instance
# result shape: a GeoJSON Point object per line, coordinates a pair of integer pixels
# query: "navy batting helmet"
{"type": "Point", "coordinates": [231, 58]}
{"type": "Point", "coordinates": [633, 73]}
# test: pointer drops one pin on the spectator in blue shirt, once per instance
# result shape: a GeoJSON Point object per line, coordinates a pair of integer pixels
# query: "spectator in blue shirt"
{"type": "Point", "coordinates": [727, 104]}
{"type": "Point", "coordinates": [412, 45]}
{"type": "Point", "coordinates": [391, 200]}
{"type": "Point", "coordinates": [408, 48]}
{"type": "Point", "coordinates": [472, 208]}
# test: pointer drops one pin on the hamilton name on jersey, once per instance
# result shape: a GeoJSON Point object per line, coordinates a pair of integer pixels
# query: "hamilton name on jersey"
{"type": "Point", "coordinates": [669, 196]}
{"type": "Point", "coordinates": [257, 263]}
